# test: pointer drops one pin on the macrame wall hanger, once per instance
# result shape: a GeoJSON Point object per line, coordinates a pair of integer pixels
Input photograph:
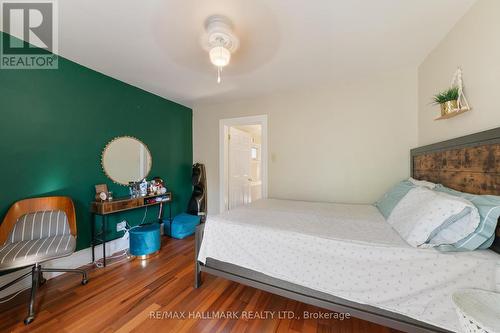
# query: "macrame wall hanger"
{"type": "Point", "coordinates": [457, 81]}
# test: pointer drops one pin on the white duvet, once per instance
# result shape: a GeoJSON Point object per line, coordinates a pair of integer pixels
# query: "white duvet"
{"type": "Point", "coordinates": [348, 251]}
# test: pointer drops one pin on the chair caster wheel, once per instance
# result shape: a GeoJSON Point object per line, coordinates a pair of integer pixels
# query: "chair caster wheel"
{"type": "Point", "coordinates": [84, 282]}
{"type": "Point", "coordinates": [29, 320]}
{"type": "Point", "coordinates": [42, 282]}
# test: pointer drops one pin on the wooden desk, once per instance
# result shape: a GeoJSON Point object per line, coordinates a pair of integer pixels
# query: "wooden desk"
{"type": "Point", "coordinates": [108, 207]}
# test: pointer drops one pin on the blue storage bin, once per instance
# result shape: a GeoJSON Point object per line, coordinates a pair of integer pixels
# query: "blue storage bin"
{"type": "Point", "coordinates": [182, 226]}
{"type": "Point", "coordinates": [145, 239]}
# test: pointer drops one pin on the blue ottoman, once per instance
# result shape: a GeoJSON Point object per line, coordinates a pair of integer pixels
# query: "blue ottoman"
{"type": "Point", "coordinates": [182, 226]}
{"type": "Point", "coordinates": [145, 240]}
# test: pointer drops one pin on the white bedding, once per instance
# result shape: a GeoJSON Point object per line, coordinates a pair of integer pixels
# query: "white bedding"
{"type": "Point", "coordinates": [348, 251]}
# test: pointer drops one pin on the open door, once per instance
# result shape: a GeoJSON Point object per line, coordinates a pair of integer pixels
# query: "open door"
{"type": "Point", "coordinates": [242, 161]}
{"type": "Point", "coordinates": [239, 158]}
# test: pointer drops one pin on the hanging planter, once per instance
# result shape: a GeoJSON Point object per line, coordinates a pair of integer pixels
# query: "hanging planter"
{"type": "Point", "coordinates": [448, 100]}
{"type": "Point", "coordinates": [449, 107]}
{"type": "Point", "coordinates": [452, 101]}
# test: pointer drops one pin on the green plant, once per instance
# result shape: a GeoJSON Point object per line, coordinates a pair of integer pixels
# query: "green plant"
{"type": "Point", "coordinates": [446, 96]}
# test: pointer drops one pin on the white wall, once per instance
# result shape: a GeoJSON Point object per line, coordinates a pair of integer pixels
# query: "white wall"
{"type": "Point", "coordinates": [473, 44]}
{"type": "Point", "coordinates": [345, 143]}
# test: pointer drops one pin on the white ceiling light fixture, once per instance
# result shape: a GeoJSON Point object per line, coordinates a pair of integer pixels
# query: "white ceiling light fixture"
{"type": "Point", "coordinates": [220, 41]}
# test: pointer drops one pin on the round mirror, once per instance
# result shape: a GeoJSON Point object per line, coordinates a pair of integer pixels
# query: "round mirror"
{"type": "Point", "coordinates": [126, 159]}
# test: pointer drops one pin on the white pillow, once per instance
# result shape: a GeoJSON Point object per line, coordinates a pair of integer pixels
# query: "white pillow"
{"type": "Point", "coordinates": [455, 232]}
{"type": "Point", "coordinates": [423, 183]}
{"type": "Point", "coordinates": [423, 213]}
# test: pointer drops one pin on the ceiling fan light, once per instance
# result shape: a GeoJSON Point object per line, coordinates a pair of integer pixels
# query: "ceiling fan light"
{"type": "Point", "coordinates": [220, 56]}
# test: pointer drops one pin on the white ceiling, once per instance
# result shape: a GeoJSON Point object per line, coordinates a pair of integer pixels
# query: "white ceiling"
{"type": "Point", "coordinates": [285, 44]}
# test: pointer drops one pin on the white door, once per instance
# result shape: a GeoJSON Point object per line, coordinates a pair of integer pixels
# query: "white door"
{"type": "Point", "coordinates": [239, 155]}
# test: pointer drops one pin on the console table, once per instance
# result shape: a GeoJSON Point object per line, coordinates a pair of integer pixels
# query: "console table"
{"type": "Point", "coordinates": [117, 205]}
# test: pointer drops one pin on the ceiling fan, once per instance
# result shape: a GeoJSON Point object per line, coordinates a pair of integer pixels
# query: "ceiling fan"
{"type": "Point", "coordinates": [219, 41]}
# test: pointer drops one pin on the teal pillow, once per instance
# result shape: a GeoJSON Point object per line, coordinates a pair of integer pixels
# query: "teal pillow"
{"type": "Point", "coordinates": [484, 235]}
{"type": "Point", "coordinates": [392, 197]}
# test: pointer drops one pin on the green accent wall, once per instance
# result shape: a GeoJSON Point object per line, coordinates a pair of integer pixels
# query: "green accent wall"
{"type": "Point", "coordinates": [55, 124]}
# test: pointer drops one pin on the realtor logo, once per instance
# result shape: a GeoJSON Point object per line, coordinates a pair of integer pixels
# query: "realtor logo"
{"type": "Point", "coordinates": [30, 39]}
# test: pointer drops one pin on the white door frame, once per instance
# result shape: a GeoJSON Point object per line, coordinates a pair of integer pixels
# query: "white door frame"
{"type": "Point", "coordinates": [224, 125]}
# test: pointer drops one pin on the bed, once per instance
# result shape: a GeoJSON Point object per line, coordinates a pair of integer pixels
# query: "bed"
{"type": "Point", "coordinates": [376, 276]}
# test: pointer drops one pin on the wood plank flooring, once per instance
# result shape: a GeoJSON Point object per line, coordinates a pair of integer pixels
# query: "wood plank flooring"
{"type": "Point", "coordinates": [157, 295]}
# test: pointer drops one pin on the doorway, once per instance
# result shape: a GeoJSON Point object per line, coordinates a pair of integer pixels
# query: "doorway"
{"type": "Point", "coordinates": [243, 161]}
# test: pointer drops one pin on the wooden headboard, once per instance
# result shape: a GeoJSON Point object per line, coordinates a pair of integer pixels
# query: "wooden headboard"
{"type": "Point", "coordinates": [468, 164]}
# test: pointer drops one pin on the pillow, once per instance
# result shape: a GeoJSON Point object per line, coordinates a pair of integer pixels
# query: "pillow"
{"type": "Point", "coordinates": [423, 213]}
{"type": "Point", "coordinates": [450, 234]}
{"type": "Point", "coordinates": [391, 198]}
{"type": "Point", "coordinates": [423, 183]}
{"type": "Point", "coordinates": [484, 235]}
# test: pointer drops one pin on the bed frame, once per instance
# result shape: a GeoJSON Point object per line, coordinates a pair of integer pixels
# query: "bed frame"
{"type": "Point", "coordinates": [470, 163]}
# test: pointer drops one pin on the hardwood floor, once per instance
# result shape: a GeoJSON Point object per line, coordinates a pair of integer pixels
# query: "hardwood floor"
{"type": "Point", "coordinates": [157, 295]}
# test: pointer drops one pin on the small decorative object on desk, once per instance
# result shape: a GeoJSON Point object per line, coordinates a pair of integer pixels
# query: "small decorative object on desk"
{"type": "Point", "coordinates": [134, 189]}
{"type": "Point", "coordinates": [102, 196]}
{"type": "Point", "coordinates": [101, 192]}
{"type": "Point", "coordinates": [160, 185]}
{"type": "Point", "coordinates": [152, 188]}
{"type": "Point", "coordinates": [156, 186]}
{"type": "Point", "coordinates": [478, 310]}
{"type": "Point", "coordinates": [143, 188]}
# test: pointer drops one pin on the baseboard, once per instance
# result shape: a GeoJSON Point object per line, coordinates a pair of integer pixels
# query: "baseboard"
{"type": "Point", "coordinates": [77, 259]}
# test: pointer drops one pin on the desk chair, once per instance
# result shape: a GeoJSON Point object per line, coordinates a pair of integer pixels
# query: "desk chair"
{"type": "Point", "coordinates": [34, 231]}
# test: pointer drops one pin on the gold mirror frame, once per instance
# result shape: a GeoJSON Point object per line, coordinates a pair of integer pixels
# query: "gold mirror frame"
{"type": "Point", "coordinates": [150, 166]}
